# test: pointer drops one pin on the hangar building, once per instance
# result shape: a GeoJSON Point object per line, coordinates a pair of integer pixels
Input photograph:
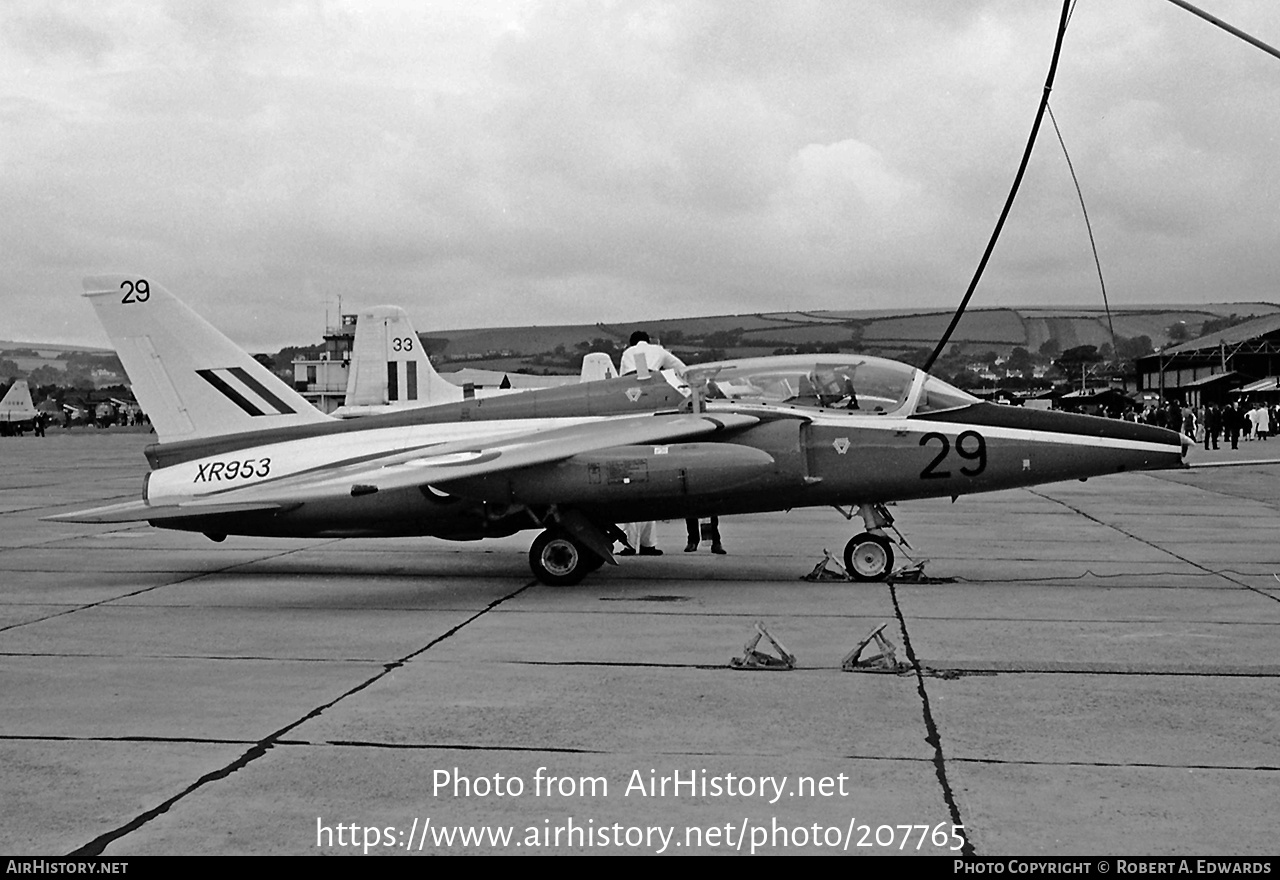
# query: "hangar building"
{"type": "Point", "coordinates": [1209, 369]}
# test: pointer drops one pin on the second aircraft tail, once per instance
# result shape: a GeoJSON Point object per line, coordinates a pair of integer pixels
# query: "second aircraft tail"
{"type": "Point", "coordinates": [389, 368]}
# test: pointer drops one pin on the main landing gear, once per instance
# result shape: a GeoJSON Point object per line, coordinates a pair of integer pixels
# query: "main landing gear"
{"type": "Point", "coordinates": [869, 556]}
{"type": "Point", "coordinates": [560, 560]}
{"type": "Point", "coordinates": [571, 548]}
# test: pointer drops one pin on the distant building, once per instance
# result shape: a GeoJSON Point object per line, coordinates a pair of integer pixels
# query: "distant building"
{"type": "Point", "coordinates": [323, 380]}
{"type": "Point", "coordinates": [106, 378]}
{"type": "Point", "coordinates": [1208, 369]}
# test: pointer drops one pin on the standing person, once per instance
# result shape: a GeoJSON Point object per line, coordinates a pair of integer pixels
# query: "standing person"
{"type": "Point", "coordinates": [640, 534]}
{"type": "Point", "coordinates": [1261, 421]}
{"type": "Point", "coordinates": [1212, 425]}
{"type": "Point", "coordinates": [1231, 424]}
{"type": "Point", "coordinates": [695, 537]}
{"type": "Point", "coordinates": [655, 356]}
{"type": "Point", "coordinates": [639, 540]}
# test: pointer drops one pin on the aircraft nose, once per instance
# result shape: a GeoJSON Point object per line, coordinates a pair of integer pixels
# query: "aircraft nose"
{"type": "Point", "coordinates": [1075, 424]}
{"type": "Point", "coordinates": [1115, 444]}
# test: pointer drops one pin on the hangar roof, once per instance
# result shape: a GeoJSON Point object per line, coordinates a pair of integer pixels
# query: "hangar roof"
{"type": "Point", "coordinates": [1231, 335]}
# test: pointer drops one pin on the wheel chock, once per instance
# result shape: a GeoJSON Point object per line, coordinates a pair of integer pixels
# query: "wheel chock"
{"type": "Point", "coordinates": [885, 661]}
{"type": "Point", "coordinates": [914, 574]}
{"type": "Point", "coordinates": [823, 571]}
{"type": "Point", "coordinates": [909, 574]}
{"type": "Point", "coordinates": [753, 659]}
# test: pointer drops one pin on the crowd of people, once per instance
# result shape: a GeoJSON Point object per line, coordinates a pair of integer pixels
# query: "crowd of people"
{"type": "Point", "coordinates": [1215, 423]}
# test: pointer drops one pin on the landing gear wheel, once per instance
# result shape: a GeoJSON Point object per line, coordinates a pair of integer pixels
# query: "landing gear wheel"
{"type": "Point", "coordinates": [868, 557]}
{"type": "Point", "coordinates": [559, 561]}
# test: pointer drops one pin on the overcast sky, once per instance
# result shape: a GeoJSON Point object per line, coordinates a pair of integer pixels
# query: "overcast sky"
{"type": "Point", "coordinates": [505, 163]}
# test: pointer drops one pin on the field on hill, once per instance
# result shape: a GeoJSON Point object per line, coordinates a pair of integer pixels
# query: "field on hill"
{"type": "Point", "coordinates": [558, 348]}
{"type": "Point", "coordinates": [872, 331]}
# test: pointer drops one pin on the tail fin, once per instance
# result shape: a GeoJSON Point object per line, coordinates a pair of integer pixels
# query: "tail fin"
{"type": "Point", "coordinates": [17, 406]}
{"type": "Point", "coordinates": [190, 379]}
{"type": "Point", "coordinates": [597, 365]}
{"type": "Point", "coordinates": [389, 369]}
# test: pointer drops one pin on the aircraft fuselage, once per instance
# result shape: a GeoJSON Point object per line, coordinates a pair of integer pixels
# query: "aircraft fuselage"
{"type": "Point", "coordinates": [794, 457]}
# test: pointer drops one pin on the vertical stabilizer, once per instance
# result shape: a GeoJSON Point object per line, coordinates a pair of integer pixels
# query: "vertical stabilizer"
{"type": "Point", "coordinates": [190, 379]}
{"type": "Point", "coordinates": [596, 366]}
{"type": "Point", "coordinates": [389, 368]}
{"type": "Point", "coordinates": [17, 406]}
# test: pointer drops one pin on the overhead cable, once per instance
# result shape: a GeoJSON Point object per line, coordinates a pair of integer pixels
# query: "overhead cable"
{"type": "Point", "coordinates": [1234, 31]}
{"type": "Point", "coordinates": [1088, 226]}
{"type": "Point", "coordinates": [1013, 192]}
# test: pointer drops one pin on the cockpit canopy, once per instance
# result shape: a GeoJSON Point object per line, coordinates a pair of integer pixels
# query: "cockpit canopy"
{"type": "Point", "coordinates": [854, 383]}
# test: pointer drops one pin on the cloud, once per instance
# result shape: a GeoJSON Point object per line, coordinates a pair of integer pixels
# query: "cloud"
{"type": "Point", "coordinates": [547, 162]}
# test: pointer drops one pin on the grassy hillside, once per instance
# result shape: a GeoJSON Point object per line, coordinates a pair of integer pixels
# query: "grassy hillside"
{"type": "Point", "coordinates": [558, 347]}
{"type": "Point", "coordinates": [904, 333]}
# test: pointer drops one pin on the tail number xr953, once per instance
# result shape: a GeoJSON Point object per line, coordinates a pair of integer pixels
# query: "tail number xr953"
{"type": "Point", "coordinates": [970, 446]}
{"type": "Point", "coordinates": [217, 471]}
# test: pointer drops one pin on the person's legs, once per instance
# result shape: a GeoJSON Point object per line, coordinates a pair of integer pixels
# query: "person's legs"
{"type": "Point", "coordinates": [716, 546]}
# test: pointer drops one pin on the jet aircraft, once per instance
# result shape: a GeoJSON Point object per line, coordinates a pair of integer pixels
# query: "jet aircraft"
{"type": "Point", "coordinates": [240, 452]}
{"type": "Point", "coordinates": [390, 371]}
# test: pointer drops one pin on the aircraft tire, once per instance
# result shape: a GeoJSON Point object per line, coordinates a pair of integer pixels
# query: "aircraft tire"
{"type": "Point", "coordinates": [558, 560]}
{"type": "Point", "coordinates": [868, 557]}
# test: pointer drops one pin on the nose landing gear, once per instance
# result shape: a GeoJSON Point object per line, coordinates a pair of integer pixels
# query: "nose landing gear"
{"type": "Point", "coordinates": [869, 556]}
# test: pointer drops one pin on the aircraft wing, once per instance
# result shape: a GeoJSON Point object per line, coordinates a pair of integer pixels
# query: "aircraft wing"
{"type": "Point", "coordinates": [436, 463]}
{"type": "Point", "coordinates": [440, 463]}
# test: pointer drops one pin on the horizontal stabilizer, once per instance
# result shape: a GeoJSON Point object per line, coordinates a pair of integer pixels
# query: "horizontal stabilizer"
{"type": "Point", "coordinates": [141, 511]}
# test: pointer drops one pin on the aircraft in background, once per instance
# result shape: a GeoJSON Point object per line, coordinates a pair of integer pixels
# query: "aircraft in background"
{"type": "Point", "coordinates": [240, 452]}
{"type": "Point", "coordinates": [17, 412]}
{"type": "Point", "coordinates": [390, 372]}
{"type": "Point", "coordinates": [389, 369]}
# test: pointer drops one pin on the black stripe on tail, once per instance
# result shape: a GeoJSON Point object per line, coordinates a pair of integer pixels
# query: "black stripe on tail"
{"type": "Point", "coordinates": [230, 393]}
